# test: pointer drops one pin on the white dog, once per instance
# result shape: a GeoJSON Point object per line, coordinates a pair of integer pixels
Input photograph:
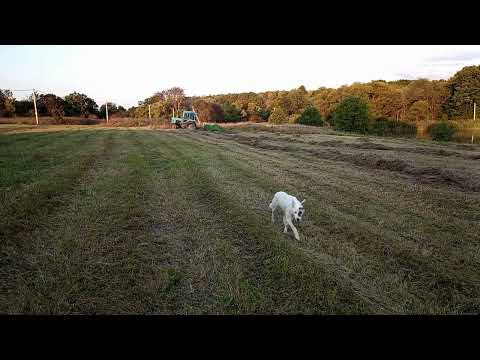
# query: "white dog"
{"type": "Point", "coordinates": [292, 209]}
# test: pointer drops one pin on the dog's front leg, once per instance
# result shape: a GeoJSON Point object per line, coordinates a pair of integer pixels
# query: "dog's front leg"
{"type": "Point", "coordinates": [294, 229]}
{"type": "Point", "coordinates": [285, 223]}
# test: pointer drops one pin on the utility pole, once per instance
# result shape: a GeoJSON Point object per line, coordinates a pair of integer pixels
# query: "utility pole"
{"type": "Point", "coordinates": [35, 105]}
{"type": "Point", "coordinates": [106, 110]}
{"type": "Point", "coordinates": [149, 115]}
{"type": "Point", "coordinates": [474, 110]}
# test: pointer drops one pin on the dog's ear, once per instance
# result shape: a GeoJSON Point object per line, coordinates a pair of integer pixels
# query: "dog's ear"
{"type": "Point", "coordinates": [303, 201]}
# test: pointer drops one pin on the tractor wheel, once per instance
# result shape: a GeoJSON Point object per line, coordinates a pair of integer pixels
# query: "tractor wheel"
{"type": "Point", "coordinates": [191, 126]}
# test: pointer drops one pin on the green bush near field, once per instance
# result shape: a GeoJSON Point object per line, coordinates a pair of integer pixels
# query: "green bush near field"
{"type": "Point", "coordinates": [214, 127]}
{"type": "Point", "coordinates": [311, 116]}
{"type": "Point", "coordinates": [442, 131]}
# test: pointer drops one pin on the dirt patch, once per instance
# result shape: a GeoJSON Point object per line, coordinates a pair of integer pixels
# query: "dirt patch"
{"type": "Point", "coordinates": [466, 147]}
{"type": "Point", "coordinates": [329, 143]}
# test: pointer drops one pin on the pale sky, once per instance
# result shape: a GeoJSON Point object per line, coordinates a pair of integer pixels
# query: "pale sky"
{"type": "Point", "coordinates": [128, 74]}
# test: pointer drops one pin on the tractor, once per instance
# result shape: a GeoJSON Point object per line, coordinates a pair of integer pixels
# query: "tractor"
{"type": "Point", "coordinates": [189, 120]}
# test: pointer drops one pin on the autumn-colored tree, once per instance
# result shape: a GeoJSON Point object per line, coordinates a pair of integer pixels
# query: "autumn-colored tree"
{"type": "Point", "coordinates": [297, 100]}
{"type": "Point", "coordinates": [176, 97]}
{"type": "Point", "coordinates": [278, 116]}
{"type": "Point", "coordinates": [208, 111]}
{"type": "Point", "coordinates": [418, 111]}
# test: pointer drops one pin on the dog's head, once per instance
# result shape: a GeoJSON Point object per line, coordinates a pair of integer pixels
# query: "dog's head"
{"type": "Point", "coordinates": [298, 210]}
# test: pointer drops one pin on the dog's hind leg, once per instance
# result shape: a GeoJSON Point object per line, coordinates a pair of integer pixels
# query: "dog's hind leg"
{"type": "Point", "coordinates": [273, 206]}
{"type": "Point", "coordinates": [293, 228]}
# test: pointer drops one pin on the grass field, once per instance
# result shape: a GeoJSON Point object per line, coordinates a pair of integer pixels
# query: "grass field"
{"type": "Point", "coordinates": [127, 221]}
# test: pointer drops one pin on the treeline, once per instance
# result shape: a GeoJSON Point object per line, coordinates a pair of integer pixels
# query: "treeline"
{"type": "Point", "coordinates": [72, 105]}
{"type": "Point", "coordinates": [401, 100]}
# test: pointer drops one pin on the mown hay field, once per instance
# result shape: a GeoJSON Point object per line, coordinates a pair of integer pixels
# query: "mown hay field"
{"type": "Point", "coordinates": [134, 221]}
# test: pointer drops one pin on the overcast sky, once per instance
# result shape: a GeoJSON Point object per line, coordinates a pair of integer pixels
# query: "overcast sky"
{"type": "Point", "coordinates": [128, 74]}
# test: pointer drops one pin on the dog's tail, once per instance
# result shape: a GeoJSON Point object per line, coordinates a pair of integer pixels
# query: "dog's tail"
{"type": "Point", "coordinates": [274, 202]}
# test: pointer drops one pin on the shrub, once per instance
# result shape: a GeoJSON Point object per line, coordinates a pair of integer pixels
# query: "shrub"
{"type": "Point", "coordinates": [278, 116]}
{"type": "Point", "coordinates": [264, 114]}
{"type": "Point", "coordinates": [441, 131]}
{"type": "Point", "coordinates": [389, 127]}
{"type": "Point", "coordinates": [351, 114]}
{"type": "Point", "coordinates": [311, 116]}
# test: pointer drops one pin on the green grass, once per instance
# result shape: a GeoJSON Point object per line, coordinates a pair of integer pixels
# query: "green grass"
{"type": "Point", "coordinates": [102, 221]}
{"type": "Point", "coordinates": [213, 127]}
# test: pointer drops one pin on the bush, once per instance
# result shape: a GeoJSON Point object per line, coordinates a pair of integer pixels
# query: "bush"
{"type": "Point", "coordinates": [441, 131]}
{"type": "Point", "coordinates": [264, 114]}
{"type": "Point", "coordinates": [311, 116]}
{"type": "Point", "coordinates": [213, 127]}
{"type": "Point", "coordinates": [351, 114]}
{"type": "Point", "coordinates": [278, 116]}
{"type": "Point", "coordinates": [388, 127]}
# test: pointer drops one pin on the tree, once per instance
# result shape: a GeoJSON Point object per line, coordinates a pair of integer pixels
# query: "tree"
{"type": "Point", "coordinates": [53, 105]}
{"type": "Point", "coordinates": [80, 105]}
{"type": "Point", "coordinates": [113, 109]}
{"type": "Point", "coordinates": [351, 114]}
{"type": "Point", "coordinates": [278, 116]}
{"type": "Point", "coordinates": [285, 102]}
{"type": "Point", "coordinates": [158, 96]}
{"type": "Point", "coordinates": [208, 111]}
{"type": "Point", "coordinates": [311, 116]}
{"type": "Point", "coordinates": [7, 103]}
{"type": "Point", "coordinates": [24, 107]}
{"type": "Point", "coordinates": [174, 96]}
{"type": "Point", "coordinates": [297, 100]}
{"type": "Point", "coordinates": [418, 111]}
{"type": "Point", "coordinates": [464, 89]}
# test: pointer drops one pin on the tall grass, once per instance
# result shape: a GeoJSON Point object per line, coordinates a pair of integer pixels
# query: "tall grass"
{"type": "Point", "coordinates": [464, 129]}
{"type": "Point", "coordinates": [389, 127]}
{"type": "Point", "coordinates": [48, 120]}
